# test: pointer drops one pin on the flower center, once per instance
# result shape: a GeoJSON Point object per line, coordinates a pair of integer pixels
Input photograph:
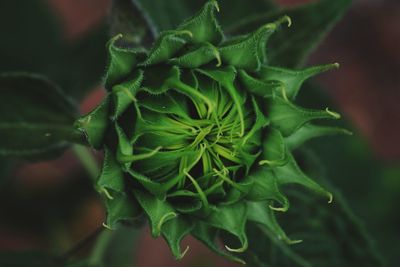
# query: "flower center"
{"type": "Point", "coordinates": [197, 136]}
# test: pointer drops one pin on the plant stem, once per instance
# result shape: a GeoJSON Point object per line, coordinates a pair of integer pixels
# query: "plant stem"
{"type": "Point", "coordinates": [87, 160]}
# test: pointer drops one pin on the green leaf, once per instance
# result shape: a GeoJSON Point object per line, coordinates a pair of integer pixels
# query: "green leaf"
{"type": "Point", "coordinates": [292, 79]}
{"type": "Point", "coordinates": [201, 56]}
{"type": "Point", "coordinates": [156, 188]}
{"type": "Point", "coordinates": [267, 250]}
{"type": "Point", "coordinates": [124, 94]}
{"type": "Point", "coordinates": [95, 123]}
{"type": "Point", "coordinates": [311, 22]}
{"type": "Point", "coordinates": [231, 218]}
{"type": "Point", "coordinates": [291, 173]}
{"type": "Point", "coordinates": [124, 146]}
{"type": "Point", "coordinates": [36, 118]}
{"type": "Point", "coordinates": [310, 131]}
{"type": "Point", "coordinates": [203, 25]}
{"type": "Point", "coordinates": [121, 62]}
{"type": "Point", "coordinates": [158, 211]}
{"type": "Point", "coordinates": [262, 214]}
{"type": "Point", "coordinates": [209, 236]}
{"type": "Point", "coordinates": [112, 176]}
{"type": "Point", "coordinates": [157, 78]}
{"type": "Point", "coordinates": [331, 238]}
{"type": "Point", "coordinates": [120, 208]}
{"type": "Point", "coordinates": [265, 188]}
{"type": "Point", "coordinates": [173, 232]}
{"type": "Point", "coordinates": [274, 149]}
{"type": "Point", "coordinates": [166, 46]}
{"type": "Point", "coordinates": [259, 87]}
{"type": "Point", "coordinates": [249, 52]}
{"type": "Point", "coordinates": [288, 118]}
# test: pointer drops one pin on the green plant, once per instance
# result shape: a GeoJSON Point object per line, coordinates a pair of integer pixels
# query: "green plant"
{"type": "Point", "coordinates": [198, 131]}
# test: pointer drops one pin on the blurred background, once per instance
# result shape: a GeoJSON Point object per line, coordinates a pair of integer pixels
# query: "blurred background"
{"type": "Point", "coordinates": [51, 206]}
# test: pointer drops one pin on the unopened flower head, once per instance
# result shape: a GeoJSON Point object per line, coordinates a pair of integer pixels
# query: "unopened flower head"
{"type": "Point", "coordinates": [198, 133]}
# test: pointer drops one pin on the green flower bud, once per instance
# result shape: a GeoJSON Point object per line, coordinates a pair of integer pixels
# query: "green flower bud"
{"type": "Point", "coordinates": [198, 133]}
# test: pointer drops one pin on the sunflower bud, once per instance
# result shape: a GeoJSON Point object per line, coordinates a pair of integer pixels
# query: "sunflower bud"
{"type": "Point", "coordinates": [198, 133]}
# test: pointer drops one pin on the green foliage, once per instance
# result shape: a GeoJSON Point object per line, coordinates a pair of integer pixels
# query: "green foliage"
{"type": "Point", "coordinates": [199, 131]}
{"type": "Point", "coordinates": [330, 237]}
{"type": "Point", "coordinates": [188, 142]}
{"type": "Point", "coordinates": [32, 130]}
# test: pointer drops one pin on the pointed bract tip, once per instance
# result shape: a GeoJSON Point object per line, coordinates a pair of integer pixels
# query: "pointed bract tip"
{"type": "Point", "coordinates": [217, 56]}
{"type": "Point", "coordinates": [284, 19]}
{"type": "Point", "coordinates": [114, 39]}
{"type": "Point", "coordinates": [183, 253]}
{"type": "Point", "coordinates": [106, 226]}
{"type": "Point", "coordinates": [216, 5]}
{"type": "Point", "coordinates": [108, 195]}
{"type": "Point", "coordinates": [293, 242]}
{"type": "Point", "coordinates": [333, 114]}
{"type": "Point", "coordinates": [281, 209]}
{"type": "Point", "coordinates": [118, 36]}
{"type": "Point", "coordinates": [236, 250]}
{"type": "Point", "coordinates": [330, 196]}
{"type": "Point", "coordinates": [289, 21]}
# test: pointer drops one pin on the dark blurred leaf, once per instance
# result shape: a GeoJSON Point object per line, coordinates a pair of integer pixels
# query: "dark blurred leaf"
{"type": "Point", "coordinates": [233, 11]}
{"type": "Point", "coordinates": [33, 42]}
{"type": "Point", "coordinates": [168, 14]}
{"type": "Point", "coordinates": [331, 235]}
{"type": "Point", "coordinates": [80, 65]}
{"type": "Point", "coordinates": [289, 47]}
{"type": "Point", "coordinates": [371, 185]}
{"type": "Point", "coordinates": [36, 118]}
{"type": "Point", "coordinates": [115, 248]}
{"type": "Point", "coordinates": [126, 19]}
